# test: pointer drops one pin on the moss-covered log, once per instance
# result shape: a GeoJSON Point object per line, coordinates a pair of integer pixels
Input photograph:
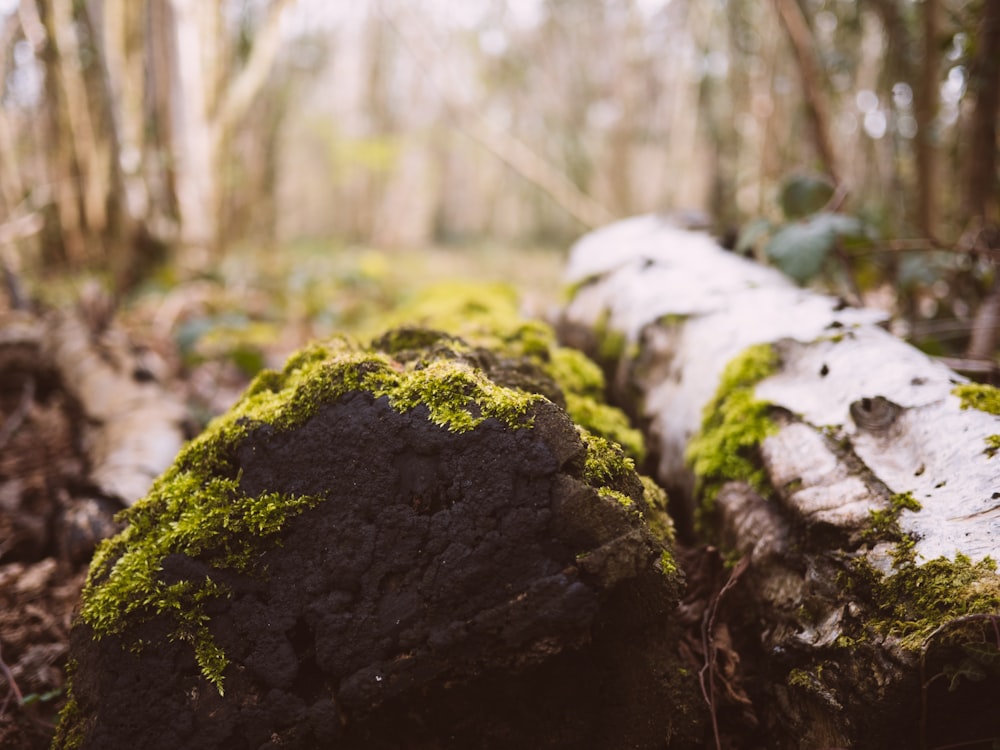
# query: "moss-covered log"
{"type": "Point", "coordinates": [857, 475]}
{"type": "Point", "coordinates": [403, 544]}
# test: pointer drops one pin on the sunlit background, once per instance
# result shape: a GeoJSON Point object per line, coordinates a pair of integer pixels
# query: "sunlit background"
{"type": "Point", "coordinates": [132, 129]}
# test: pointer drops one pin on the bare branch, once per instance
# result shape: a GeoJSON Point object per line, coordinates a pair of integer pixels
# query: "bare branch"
{"type": "Point", "coordinates": [240, 93]}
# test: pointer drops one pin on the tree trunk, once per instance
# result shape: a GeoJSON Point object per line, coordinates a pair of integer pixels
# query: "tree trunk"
{"type": "Point", "coordinates": [928, 87]}
{"type": "Point", "coordinates": [204, 112]}
{"type": "Point", "coordinates": [803, 43]}
{"type": "Point", "coordinates": [984, 186]}
{"type": "Point", "coordinates": [839, 461]}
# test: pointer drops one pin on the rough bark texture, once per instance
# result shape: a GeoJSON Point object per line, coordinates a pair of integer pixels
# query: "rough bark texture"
{"type": "Point", "coordinates": [450, 584]}
{"type": "Point", "coordinates": [841, 462]}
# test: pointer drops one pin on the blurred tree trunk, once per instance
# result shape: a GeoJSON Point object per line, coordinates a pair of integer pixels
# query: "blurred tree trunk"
{"type": "Point", "coordinates": [927, 90]}
{"type": "Point", "coordinates": [207, 105]}
{"type": "Point", "coordinates": [984, 185]}
{"type": "Point", "coordinates": [78, 178]}
{"type": "Point", "coordinates": [920, 69]}
{"type": "Point", "coordinates": [803, 43]}
{"type": "Point", "coordinates": [137, 124]}
{"type": "Point", "coordinates": [95, 133]}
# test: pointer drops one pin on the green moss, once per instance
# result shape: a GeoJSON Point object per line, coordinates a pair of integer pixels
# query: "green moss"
{"type": "Point", "coordinates": [668, 566]}
{"type": "Point", "coordinates": [610, 341]}
{"type": "Point", "coordinates": [575, 372]}
{"type": "Point", "coordinates": [486, 316]}
{"type": "Point", "coordinates": [620, 497]}
{"type": "Point", "coordinates": [190, 514]}
{"type": "Point", "coordinates": [657, 516]}
{"type": "Point", "coordinates": [979, 396]}
{"type": "Point", "coordinates": [606, 462]}
{"type": "Point", "coordinates": [608, 421]}
{"type": "Point", "coordinates": [734, 425]}
{"type": "Point", "coordinates": [71, 730]}
{"type": "Point", "coordinates": [916, 600]}
{"type": "Point", "coordinates": [802, 678]}
{"type": "Point", "coordinates": [883, 525]}
{"type": "Point", "coordinates": [992, 445]}
{"type": "Point", "coordinates": [672, 319]}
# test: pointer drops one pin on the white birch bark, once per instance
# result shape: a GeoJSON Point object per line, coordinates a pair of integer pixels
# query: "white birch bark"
{"type": "Point", "coordinates": [860, 418]}
{"type": "Point", "coordinates": [686, 307]}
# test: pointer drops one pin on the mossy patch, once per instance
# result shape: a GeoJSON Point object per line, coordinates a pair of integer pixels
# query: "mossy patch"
{"type": "Point", "coordinates": [916, 599]}
{"type": "Point", "coordinates": [979, 396]}
{"type": "Point", "coordinates": [992, 445]}
{"type": "Point", "coordinates": [734, 424]}
{"type": "Point", "coordinates": [884, 524]}
{"type": "Point", "coordinates": [487, 319]}
{"type": "Point", "coordinates": [984, 398]}
{"type": "Point", "coordinates": [197, 508]}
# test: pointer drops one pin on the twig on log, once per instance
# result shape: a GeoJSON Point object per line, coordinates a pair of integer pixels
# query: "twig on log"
{"type": "Point", "coordinates": [709, 647]}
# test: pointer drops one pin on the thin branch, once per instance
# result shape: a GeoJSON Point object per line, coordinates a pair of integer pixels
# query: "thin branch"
{"type": "Point", "coordinates": [709, 648]}
{"type": "Point", "coordinates": [240, 93]}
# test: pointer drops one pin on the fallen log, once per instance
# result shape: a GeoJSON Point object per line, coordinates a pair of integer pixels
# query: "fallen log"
{"type": "Point", "coordinates": [397, 545]}
{"type": "Point", "coordinates": [854, 475]}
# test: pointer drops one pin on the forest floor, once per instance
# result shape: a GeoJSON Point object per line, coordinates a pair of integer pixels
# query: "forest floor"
{"type": "Point", "coordinates": [201, 329]}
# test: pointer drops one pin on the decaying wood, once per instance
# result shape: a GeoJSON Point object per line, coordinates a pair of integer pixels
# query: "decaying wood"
{"type": "Point", "coordinates": [859, 419]}
{"type": "Point", "coordinates": [138, 426]}
{"type": "Point", "coordinates": [134, 427]}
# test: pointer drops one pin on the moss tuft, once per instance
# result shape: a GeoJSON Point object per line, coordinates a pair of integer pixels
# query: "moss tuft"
{"type": "Point", "coordinates": [979, 396]}
{"type": "Point", "coordinates": [734, 425]}
{"type": "Point", "coordinates": [486, 318]}
{"type": "Point", "coordinates": [883, 525]}
{"type": "Point", "coordinates": [992, 445]}
{"type": "Point", "coordinates": [916, 600]}
{"type": "Point", "coordinates": [657, 517]}
{"type": "Point", "coordinates": [606, 462]}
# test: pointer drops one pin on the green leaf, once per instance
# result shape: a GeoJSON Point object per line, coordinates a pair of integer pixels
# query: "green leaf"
{"type": "Point", "coordinates": [750, 235]}
{"type": "Point", "coordinates": [802, 195]}
{"type": "Point", "coordinates": [967, 668]}
{"type": "Point", "coordinates": [984, 653]}
{"type": "Point", "coordinates": [800, 249]}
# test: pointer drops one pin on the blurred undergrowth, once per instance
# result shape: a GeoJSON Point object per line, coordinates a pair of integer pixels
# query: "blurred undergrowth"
{"type": "Point", "coordinates": [213, 325]}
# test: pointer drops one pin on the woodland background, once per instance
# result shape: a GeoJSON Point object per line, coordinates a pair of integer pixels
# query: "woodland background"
{"type": "Point", "coordinates": [140, 138]}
